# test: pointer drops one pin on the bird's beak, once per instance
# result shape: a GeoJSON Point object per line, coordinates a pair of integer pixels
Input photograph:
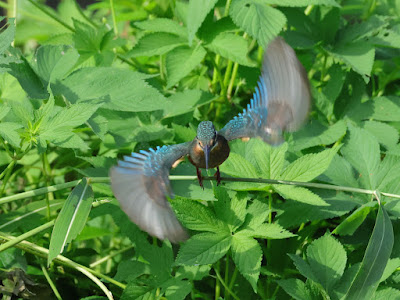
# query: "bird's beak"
{"type": "Point", "coordinates": [206, 150]}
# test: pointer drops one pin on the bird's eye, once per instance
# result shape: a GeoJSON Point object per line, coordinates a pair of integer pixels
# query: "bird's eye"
{"type": "Point", "coordinates": [200, 144]}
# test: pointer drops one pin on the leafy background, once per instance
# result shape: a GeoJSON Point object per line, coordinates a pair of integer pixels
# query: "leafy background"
{"type": "Point", "coordinates": [81, 86]}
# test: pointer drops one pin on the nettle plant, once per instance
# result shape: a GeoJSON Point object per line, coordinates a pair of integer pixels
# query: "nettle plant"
{"type": "Point", "coordinates": [315, 218]}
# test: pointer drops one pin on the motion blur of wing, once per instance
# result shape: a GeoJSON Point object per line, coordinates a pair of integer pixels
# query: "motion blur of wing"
{"type": "Point", "coordinates": [281, 100]}
{"type": "Point", "coordinates": [140, 183]}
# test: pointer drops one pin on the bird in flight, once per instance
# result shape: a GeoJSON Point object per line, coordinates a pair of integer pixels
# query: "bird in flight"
{"type": "Point", "coordinates": [281, 102]}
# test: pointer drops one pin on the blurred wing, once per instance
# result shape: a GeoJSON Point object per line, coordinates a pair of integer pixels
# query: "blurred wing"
{"type": "Point", "coordinates": [140, 183]}
{"type": "Point", "coordinates": [280, 102]}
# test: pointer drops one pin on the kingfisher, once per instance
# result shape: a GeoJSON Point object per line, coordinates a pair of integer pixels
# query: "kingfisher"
{"type": "Point", "coordinates": [280, 103]}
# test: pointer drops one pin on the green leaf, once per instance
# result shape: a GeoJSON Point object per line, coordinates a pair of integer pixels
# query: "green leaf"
{"type": "Point", "coordinates": [294, 213]}
{"type": "Point", "coordinates": [386, 293]}
{"type": "Point", "coordinates": [325, 98]}
{"type": "Point", "coordinates": [178, 289]}
{"type": "Point", "coordinates": [247, 255]}
{"type": "Point", "coordinates": [267, 160]}
{"type": "Point", "coordinates": [362, 151]}
{"type": "Point", "coordinates": [4, 110]}
{"type": "Point", "coordinates": [196, 216]}
{"type": "Point", "coordinates": [315, 134]}
{"type": "Point", "coordinates": [295, 288]}
{"type": "Point", "coordinates": [230, 208]}
{"type": "Point", "coordinates": [259, 20]}
{"type": "Point", "coordinates": [7, 36]}
{"type": "Point", "coordinates": [9, 133]}
{"type": "Point", "coordinates": [375, 258]}
{"type": "Point", "coordinates": [358, 55]}
{"type": "Point", "coordinates": [197, 12]}
{"type": "Point", "coordinates": [388, 171]}
{"type": "Point", "coordinates": [181, 61]}
{"type": "Point", "coordinates": [114, 85]}
{"type": "Point", "coordinates": [302, 2]}
{"type": "Point", "coordinates": [232, 47]}
{"type": "Point", "coordinates": [299, 194]}
{"type": "Point", "coordinates": [268, 231]}
{"type": "Point", "coordinates": [28, 79]}
{"type": "Point", "coordinates": [257, 213]}
{"type": "Point", "coordinates": [204, 248]}
{"type": "Point", "coordinates": [238, 166]}
{"type": "Point", "coordinates": [162, 25]}
{"type": "Point", "coordinates": [384, 133]}
{"type": "Point", "coordinates": [156, 44]}
{"type": "Point", "coordinates": [303, 267]}
{"type": "Point", "coordinates": [340, 172]}
{"type": "Point", "coordinates": [309, 166]}
{"type": "Point", "coordinates": [390, 268]}
{"type": "Point", "coordinates": [73, 116]}
{"type": "Point", "coordinates": [380, 109]}
{"type": "Point", "coordinates": [352, 222]}
{"type": "Point", "coordinates": [71, 218]}
{"type": "Point", "coordinates": [184, 102]}
{"type": "Point", "coordinates": [327, 259]}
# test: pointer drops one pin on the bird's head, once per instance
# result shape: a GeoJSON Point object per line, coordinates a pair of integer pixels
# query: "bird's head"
{"type": "Point", "coordinates": [206, 138]}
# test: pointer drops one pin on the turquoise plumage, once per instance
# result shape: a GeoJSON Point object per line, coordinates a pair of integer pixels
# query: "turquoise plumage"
{"type": "Point", "coordinates": [281, 102]}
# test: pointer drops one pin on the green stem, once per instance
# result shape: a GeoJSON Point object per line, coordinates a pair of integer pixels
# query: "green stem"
{"type": "Point", "coordinates": [106, 258]}
{"type": "Point", "coordinates": [26, 235]}
{"type": "Point", "coordinates": [51, 283]}
{"type": "Point", "coordinates": [228, 4]}
{"type": "Point", "coordinates": [226, 294]}
{"type": "Point", "coordinates": [228, 72]}
{"type": "Point", "coordinates": [10, 166]}
{"type": "Point", "coordinates": [8, 172]}
{"type": "Point", "coordinates": [113, 17]}
{"type": "Point", "coordinates": [232, 81]}
{"type": "Point", "coordinates": [215, 75]}
{"type": "Point", "coordinates": [217, 282]}
{"type": "Point", "coordinates": [228, 289]}
{"type": "Point", "coordinates": [62, 260]}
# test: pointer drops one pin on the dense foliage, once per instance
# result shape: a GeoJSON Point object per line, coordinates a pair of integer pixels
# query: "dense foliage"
{"type": "Point", "coordinates": [80, 87]}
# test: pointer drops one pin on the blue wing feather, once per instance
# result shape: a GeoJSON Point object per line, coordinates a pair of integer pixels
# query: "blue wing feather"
{"type": "Point", "coordinates": [140, 183]}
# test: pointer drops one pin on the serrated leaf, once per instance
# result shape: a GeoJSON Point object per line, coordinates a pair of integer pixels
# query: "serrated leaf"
{"type": "Point", "coordinates": [384, 133]}
{"type": "Point", "coordinates": [295, 288]}
{"type": "Point", "coordinates": [327, 260]}
{"type": "Point", "coordinates": [303, 267]}
{"type": "Point", "coordinates": [181, 61]}
{"type": "Point", "coordinates": [315, 134]}
{"type": "Point", "coordinates": [268, 231]}
{"type": "Point", "coordinates": [257, 213]}
{"type": "Point", "coordinates": [309, 166]}
{"type": "Point", "coordinates": [267, 160]}
{"type": "Point", "coordinates": [238, 166]}
{"type": "Point", "coordinates": [71, 218]}
{"type": "Point", "coordinates": [113, 85]}
{"type": "Point", "coordinates": [247, 255]}
{"type": "Point", "coordinates": [73, 116]}
{"type": "Point", "coordinates": [388, 171]}
{"type": "Point", "coordinates": [196, 216]}
{"type": "Point", "coordinates": [4, 110]}
{"type": "Point", "coordinates": [375, 259]}
{"type": "Point", "coordinates": [390, 268]}
{"type": "Point", "coordinates": [162, 25]}
{"type": "Point", "coordinates": [9, 133]}
{"type": "Point", "coordinates": [204, 248]}
{"type": "Point", "coordinates": [358, 55]}
{"type": "Point", "coordinates": [232, 47]}
{"type": "Point", "coordinates": [362, 151]}
{"type": "Point", "coordinates": [258, 19]}
{"type": "Point", "coordinates": [299, 194]}
{"type": "Point", "coordinates": [177, 289]}
{"type": "Point", "coordinates": [230, 208]}
{"type": "Point", "coordinates": [380, 108]}
{"type": "Point", "coordinates": [156, 44]}
{"type": "Point", "coordinates": [294, 213]}
{"type": "Point", "coordinates": [386, 294]}
{"type": "Point", "coordinates": [63, 137]}
{"type": "Point", "coordinates": [340, 172]}
{"type": "Point", "coordinates": [197, 12]}
{"type": "Point", "coordinates": [186, 101]}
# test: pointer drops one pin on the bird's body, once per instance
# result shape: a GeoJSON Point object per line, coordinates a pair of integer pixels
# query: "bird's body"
{"type": "Point", "coordinates": [280, 103]}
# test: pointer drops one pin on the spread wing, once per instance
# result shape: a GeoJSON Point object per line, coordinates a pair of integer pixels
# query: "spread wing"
{"type": "Point", "coordinates": [281, 100]}
{"type": "Point", "coordinates": [140, 183]}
